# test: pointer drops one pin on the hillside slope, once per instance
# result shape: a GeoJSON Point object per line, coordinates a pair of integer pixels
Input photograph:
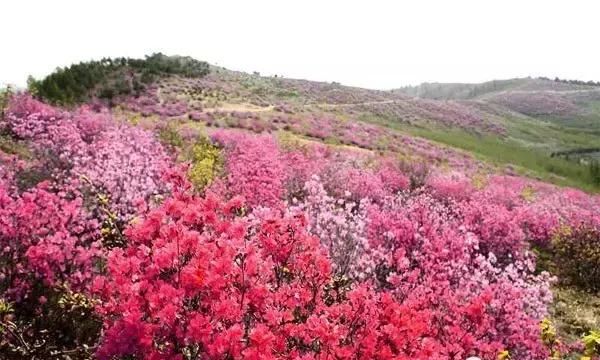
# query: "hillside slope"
{"type": "Point", "coordinates": [567, 103]}
{"type": "Point", "coordinates": [538, 127]}
{"type": "Point", "coordinates": [520, 124]}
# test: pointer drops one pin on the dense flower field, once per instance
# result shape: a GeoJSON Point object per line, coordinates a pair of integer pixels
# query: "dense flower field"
{"type": "Point", "coordinates": [237, 245]}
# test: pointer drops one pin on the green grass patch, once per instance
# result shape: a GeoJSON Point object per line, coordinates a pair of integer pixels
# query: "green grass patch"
{"type": "Point", "coordinates": [496, 150]}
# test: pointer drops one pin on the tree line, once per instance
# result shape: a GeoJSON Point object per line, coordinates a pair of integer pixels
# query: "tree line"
{"type": "Point", "coordinates": [110, 77]}
{"type": "Point", "coordinates": [572, 82]}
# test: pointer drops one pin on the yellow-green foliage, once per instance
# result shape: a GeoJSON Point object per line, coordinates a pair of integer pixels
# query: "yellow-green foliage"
{"type": "Point", "coordinates": [5, 307]}
{"type": "Point", "coordinates": [14, 147]}
{"type": "Point", "coordinates": [592, 345]}
{"type": "Point", "coordinates": [288, 140]}
{"type": "Point", "coordinates": [528, 193]}
{"type": "Point", "coordinates": [549, 338]}
{"type": "Point", "coordinates": [5, 95]}
{"type": "Point", "coordinates": [170, 136]}
{"type": "Point", "coordinates": [111, 228]}
{"type": "Point", "coordinates": [504, 355]}
{"type": "Point", "coordinates": [479, 181]}
{"type": "Point", "coordinates": [74, 301]}
{"type": "Point", "coordinates": [207, 163]}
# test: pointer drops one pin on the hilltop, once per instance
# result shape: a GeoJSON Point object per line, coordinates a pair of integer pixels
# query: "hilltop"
{"type": "Point", "coordinates": [570, 103]}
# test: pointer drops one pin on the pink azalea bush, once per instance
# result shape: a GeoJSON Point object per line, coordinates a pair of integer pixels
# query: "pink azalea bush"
{"type": "Point", "coordinates": [263, 182]}
{"type": "Point", "coordinates": [46, 240]}
{"type": "Point", "coordinates": [124, 163]}
{"type": "Point", "coordinates": [340, 225]}
{"type": "Point", "coordinates": [127, 163]}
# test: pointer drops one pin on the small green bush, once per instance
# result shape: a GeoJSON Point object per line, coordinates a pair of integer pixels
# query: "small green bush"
{"type": "Point", "coordinates": [169, 135]}
{"type": "Point", "coordinates": [578, 251]}
{"type": "Point", "coordinates": [207, 163]}
{"type": "Point", "coordinates": [61, 324]}
{"type": "Point", "coordinates": [592, 345]}
{"type": "Point", "coordinates": [5, 95]}
{"type": "Point", "coordinates": [595, 171]}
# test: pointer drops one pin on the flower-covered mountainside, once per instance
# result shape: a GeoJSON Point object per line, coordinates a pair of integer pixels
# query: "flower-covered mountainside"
{"type": "Point", "coordinates": [196, 217]}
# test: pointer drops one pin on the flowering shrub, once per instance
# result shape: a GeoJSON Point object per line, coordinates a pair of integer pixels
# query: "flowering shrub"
{"type": "Point", "coordinates": [254, 167]}
{"type": "Point", "coordinates": [455, 186]}
{"type": "Point", "coordinates": [340, 226]}
{"type": "Point", "coordinates": [497, 227]}
{"type": "Point", "coordinates": [124, 161]}
{"type": "Point", "coordinates": [427, 261]}
{"type": "Point", "coordinates": [302, 162]}
{"type": "Point", "coordinates": [393, 179]}
{"type": "Point", "coordinates": [50, 253]}
{"type": "Point", "coordinates": [46, 240]}
{"type": "Point", "coordinates": [197, 279]}
{"type": "Point", "coordinates": [203, 283]}
{"type": "Point", "coordinates": [128, 164]}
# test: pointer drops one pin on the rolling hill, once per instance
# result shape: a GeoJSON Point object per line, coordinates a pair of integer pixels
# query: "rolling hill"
{"type": "Point", "coordinates": [514, 124]}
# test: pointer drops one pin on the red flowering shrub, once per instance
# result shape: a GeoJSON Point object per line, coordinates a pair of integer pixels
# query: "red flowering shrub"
{"type": "Point", "coordinates": [254, 167]}
{"type": "Point", "coordinates": [202, 281]}
{"type": "Point", "coordinates": [196, 280]}
{"type": "Point", "coordinates": [427, 260]}
{"type": "Point", "coordinates": [455, 186]}
{"type": "Point", "coordinates": [498, 228]}
{"type": "Point", "coordinates": [392, 178]}
{"type": "Point", "coordinates": [50, 251]}
{"type": "Point", "coordinates": [45, 239]}
{"type": "Point", "coordinates": [302, 162]}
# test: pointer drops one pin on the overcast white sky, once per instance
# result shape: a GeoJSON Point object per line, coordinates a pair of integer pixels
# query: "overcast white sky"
{"type": "Point", "coordinates": [376, 44]}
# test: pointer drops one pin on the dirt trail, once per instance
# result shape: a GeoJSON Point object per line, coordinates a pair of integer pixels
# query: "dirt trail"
{"type": "Point", "coordinates": [351, 104]}
{"type": "Point", "coordinates": [228, 107]}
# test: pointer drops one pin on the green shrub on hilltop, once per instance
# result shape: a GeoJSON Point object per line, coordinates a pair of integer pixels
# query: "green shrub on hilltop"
{"type": "Point", "coordinates": [108, 77]}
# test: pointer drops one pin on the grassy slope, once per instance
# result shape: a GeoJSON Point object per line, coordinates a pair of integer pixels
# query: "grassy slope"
{"type": "Point", "coordinates": [530, 140]}
{"type": "Point", "coordinates": [517, 151]}
{"type": "Point", "coordinates": [526, 145]}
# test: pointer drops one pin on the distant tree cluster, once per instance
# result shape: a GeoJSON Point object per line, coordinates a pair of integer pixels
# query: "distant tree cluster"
{"type": "Point", "coordinates": [576, 152]}
{"type": "Point", "coordinates": [572, 82]}
{"type": "Point", "coordinates": [108, 77]}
